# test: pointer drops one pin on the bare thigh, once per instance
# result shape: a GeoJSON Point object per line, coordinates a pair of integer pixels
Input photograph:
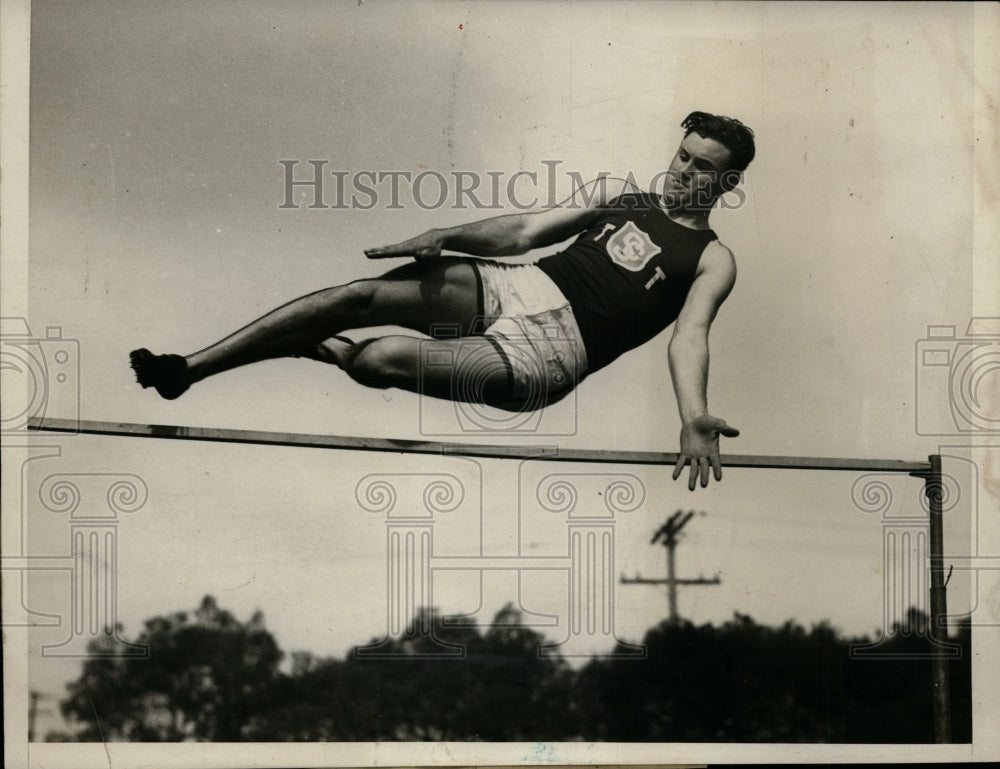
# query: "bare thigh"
{"type": "Point", "coordinates": [422, 296]}
{"type": "Point", "coordinates": [469, 369]}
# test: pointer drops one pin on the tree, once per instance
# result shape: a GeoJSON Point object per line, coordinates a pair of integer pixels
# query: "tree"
{"type": "Point", "coordinates": [746, 682]}
{"type": "Point", "coordinates": [210, 677]}
{"type": "Point", "coordinates": [500, 688]}
{"type": "Point", "coordinates": [204, 679]}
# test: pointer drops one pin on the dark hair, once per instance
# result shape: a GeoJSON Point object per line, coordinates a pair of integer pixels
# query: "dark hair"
{"type": "Point", "coordinates": [728, 131]}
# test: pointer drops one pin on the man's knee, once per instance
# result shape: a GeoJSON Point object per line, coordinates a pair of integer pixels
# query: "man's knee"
{"type": "Point", "coordinates": [357, 298]}
{"type": "Point", "coordinates": [384, 362]}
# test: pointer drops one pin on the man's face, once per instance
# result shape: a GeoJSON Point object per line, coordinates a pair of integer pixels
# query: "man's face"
{"type": "Point", "coordinates": [694, 178]}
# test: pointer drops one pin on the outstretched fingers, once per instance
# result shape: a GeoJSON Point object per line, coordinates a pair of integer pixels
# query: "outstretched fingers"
{"type": "Point", "coordinates": [390, 252]}
{"type": "Point", "coordinates": [384, 252]}
{"type": "Point", "coordinates": [425, 246]}
{"type": "Point", "coordinates": [703, 467]}
{"type": "Point", "coordinates": [699, 470]}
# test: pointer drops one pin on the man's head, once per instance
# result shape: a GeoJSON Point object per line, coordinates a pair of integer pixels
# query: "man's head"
{"type": "Point", "coordinates": [710, 161]}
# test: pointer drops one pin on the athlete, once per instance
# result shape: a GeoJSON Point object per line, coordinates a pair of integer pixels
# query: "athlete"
{"type": "Point", "coordinates": [524, 335]}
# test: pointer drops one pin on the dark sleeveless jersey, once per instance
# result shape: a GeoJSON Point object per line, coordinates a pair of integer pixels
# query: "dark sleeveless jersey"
{"type": "Point", "coordinates": [627, 277]}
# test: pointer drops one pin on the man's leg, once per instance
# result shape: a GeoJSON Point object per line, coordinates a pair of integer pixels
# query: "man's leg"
{"type": "Point", "coordinates": [470, 369]}
{"type": "Point", "coordinates": [417, 295]}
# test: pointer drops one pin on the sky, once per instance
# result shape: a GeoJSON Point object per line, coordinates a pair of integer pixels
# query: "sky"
{"type": "Point", "coordinates": [156, 191]}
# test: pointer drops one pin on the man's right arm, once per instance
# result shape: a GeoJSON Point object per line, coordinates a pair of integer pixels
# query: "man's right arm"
{"type": "Point", "coordinates": [514, 234]}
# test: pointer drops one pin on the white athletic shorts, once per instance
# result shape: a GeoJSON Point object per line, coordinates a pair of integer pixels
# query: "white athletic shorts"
{"type": "Point", "coordinates": [533, 327]}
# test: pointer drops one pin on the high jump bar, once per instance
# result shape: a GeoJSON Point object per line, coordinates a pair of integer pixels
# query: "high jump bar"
{"type": "Point", "coordinates": [491, 451]}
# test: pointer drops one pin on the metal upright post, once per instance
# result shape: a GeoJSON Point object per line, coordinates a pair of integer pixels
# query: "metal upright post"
{"type": "Point", "coordinates": [934, 489]}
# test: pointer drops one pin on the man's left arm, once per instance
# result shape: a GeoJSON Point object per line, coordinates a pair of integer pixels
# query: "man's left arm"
{"type": "Point", "coordinates": [688, 357]}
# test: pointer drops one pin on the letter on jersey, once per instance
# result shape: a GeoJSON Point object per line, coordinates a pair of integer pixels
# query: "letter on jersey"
{"type": "Point", "coordinates": [631, 247]}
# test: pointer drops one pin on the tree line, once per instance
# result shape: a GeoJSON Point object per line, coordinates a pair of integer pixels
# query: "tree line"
{"type": "Point", "coordinates": [210, 677]}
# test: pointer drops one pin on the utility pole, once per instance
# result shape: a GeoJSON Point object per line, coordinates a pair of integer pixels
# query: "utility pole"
{"type": "Point", "coordinates": [33, 698]}
{"type": "Point", "coordinates": [667, 535]}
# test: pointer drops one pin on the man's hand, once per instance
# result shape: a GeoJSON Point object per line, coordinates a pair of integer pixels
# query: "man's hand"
{"type": "Point", "coordinates": [426, 246]}
{"type": "Point", "coordinates": [700, 447]}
